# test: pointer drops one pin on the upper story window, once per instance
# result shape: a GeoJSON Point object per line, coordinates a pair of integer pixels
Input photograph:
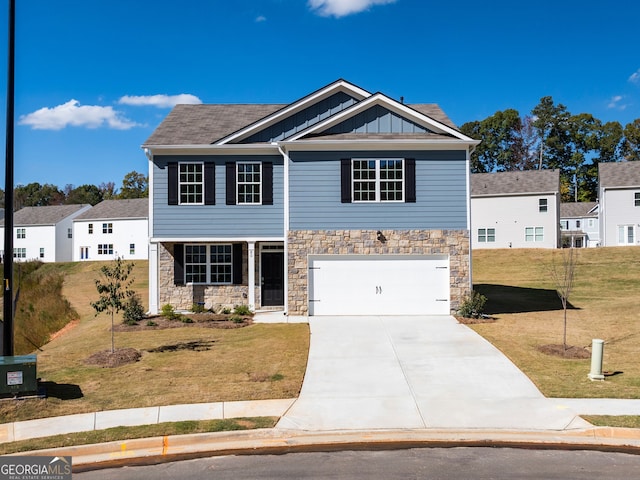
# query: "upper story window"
{"type": "Point", "coordinates": [636, 199]}
{"type": "Point", "coordinates": [564, 224]}
{"type": "Point", "coordinates": [107, 228]}
{"type": "Point", "coordinates": [69, 232]}
{"type": "Point", "coordinates": [90, 228]}
{"type": "Point", "coordinates": [378, 180]}
{"type": "Point", "coordinates": [534, 234]}
{"type": "Point", "coordinates": [21, 233]}
{"type": "Point", "coordinates": [486, 235]}
{"type": "Point", "coordinates": [191, 183]}
{"type": "Point", "coordinates": [248, 183]}
{"type": "Point", "coordinates": [578, 223]}
{"type": "Point", "coordinates": [542, 205]}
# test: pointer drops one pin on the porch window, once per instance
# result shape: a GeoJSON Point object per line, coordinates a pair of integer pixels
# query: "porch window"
{"type": "Point", "coordinates": [208, 264]}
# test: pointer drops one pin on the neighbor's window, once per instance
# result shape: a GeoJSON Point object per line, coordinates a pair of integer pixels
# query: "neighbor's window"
{"type": "Point", "coordinates": [208, 264]}
{"type": "Point", "coordinates": [132, 249]}
{"type": "Point", "coordinates": [90, 228]}
{"type": "Point", "coordinates": [21, 233]}
{"type": "Point", "coordinates": [191, 183]}
{"type": "Point", "coordinates": [542, 205]}
{"type": "Point", "coordinates": [105, 249]}
{"type": "Point", "coordinates": [626, 235]}
{"type": "Point", "coordinates": [637, 199]}
{"type": "Point", "coordinates": [378, 180]}
{"type": "Point", "coordinates": [486, 235]}
{"type": "Point", "coordinates": [564, 224]}
{"type": "Point", "coordinates": [248, 182]}
{"type": "Point", "coordinates": [69, 232]}
{"type": "Point", "coordinates": [19, 253]}
{"type": "Point", "coordinates": [534, 234]}
{"type": "Point", "coordinates": [107, 228]}
{"type": "Point", "coordinates": [41, 252]}
{"type": "Point", "coordinates": [577, 223]}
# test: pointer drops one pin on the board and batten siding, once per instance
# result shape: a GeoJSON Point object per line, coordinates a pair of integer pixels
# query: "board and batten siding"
{"type": "Point", "coordinates": [315, 199]}
{"type": "Point", "coordinates": [219, 220]}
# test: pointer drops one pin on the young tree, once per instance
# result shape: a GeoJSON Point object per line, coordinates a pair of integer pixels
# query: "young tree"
{"type": "Point", "coordinates": [114, 290]}
{"type": "Point", "coordinates": [563, 274]}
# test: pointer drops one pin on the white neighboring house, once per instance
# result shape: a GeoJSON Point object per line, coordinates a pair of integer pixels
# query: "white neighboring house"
{"type": "Point", "coordinates": [518, 209]}
{"type": "Point", "coordinates": [113, 228]}
{"type": "Point", "coordinates": [44, 233]}
{"type": "Point", "coordinates": [579, 225]}
{"type": "Point", "coordinates": [619, 195]}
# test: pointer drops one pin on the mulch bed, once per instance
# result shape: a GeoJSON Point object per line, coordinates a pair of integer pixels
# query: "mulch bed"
{"type": "Point", "coordinates": [109, 359]}
{"type": "Point", "coordinates": [206, 320]}
{"type": "Point", "coordinates": [571, 351]}
{"type": "Point", "coordinates": [473, 321]}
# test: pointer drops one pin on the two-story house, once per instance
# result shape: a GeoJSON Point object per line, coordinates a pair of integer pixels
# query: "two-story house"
{"type": "Point", "coordinates": [619, 196]}
{"type": "Point", "coordinates": [579, 224]}
{"type": "Point", "coordinates": [44, 233]}
{"type": "Point", "coordinates": [342, 202]}
{"type": "Point", "coordinates": [517, 209]}
{"type": "Point", "coordinates": [113, 228]}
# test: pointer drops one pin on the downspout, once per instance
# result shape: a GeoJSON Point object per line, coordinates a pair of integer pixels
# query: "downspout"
{"type": "Point", "coordinates": [152, 249]}
{"type": "Point", "coordinates": [468, 162]}
{"type": "Point", "coordinates": [285, 186]}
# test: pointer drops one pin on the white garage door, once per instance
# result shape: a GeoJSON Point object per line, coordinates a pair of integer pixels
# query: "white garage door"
{"type": "Point", "coordinates": [378, 285]}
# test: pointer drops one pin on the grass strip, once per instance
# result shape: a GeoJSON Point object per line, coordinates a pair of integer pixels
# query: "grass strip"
{"type": "Point", "coordinates": [617, 421]}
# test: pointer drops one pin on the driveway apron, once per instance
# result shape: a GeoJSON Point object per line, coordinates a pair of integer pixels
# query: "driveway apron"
{"type": "Point", "coordinates": [415, 372]}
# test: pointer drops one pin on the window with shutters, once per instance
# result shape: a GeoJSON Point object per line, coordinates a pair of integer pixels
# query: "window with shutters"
{"type": "Point", "coordinates": [248, 183]}
{"type": "Point", "coordinates": [208, 264]}
{"type": "Point", "coordinates": [191, 183]}
{"type": "Point", "coordinates": [378, 180]}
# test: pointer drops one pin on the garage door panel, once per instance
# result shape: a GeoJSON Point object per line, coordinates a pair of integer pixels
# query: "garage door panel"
{"type": "Point", "coordinates": [378, 285]}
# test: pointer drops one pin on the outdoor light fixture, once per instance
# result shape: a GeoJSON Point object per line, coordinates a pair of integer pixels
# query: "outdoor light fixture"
{"type": "Point", "coordinates": [381, 237]}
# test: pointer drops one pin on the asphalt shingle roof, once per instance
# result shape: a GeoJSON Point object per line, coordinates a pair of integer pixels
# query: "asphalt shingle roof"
{"type": "Point", "coordinates": [117, 209]}
{"type": "Point", "coordinates": [518, 182]}
{"type": "Point", "coordinates": [49, 215]}
{"type": "Point", "coordinates": [619, 174]}
{"type": "Point", "coordinates": [577, 209]}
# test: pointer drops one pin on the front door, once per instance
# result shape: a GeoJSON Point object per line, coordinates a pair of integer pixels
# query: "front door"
{"type": "Point", "coordinates": [272, 281]}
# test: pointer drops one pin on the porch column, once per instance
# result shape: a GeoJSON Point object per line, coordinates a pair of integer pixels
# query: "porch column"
{"type": "Point", "coordinates": [251, 246]}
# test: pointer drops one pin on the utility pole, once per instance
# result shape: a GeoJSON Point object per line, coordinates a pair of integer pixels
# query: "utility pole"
{"type": "Point", "coordinates": [7, 323]}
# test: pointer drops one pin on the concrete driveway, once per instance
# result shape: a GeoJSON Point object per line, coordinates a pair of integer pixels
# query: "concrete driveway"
{"type": "Point", "coordinates": [415, 372]}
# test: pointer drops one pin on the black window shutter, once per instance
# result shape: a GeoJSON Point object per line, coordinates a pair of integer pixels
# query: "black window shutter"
{"type": "Point", "coordinates": [237, 264]}
{"type": "Point", "coordinates": [267, 183]}
{"type": "Point", "coordinates": [231, 183]}
{"type": "Point", "coordinates": [178, 264]}
{"type": "Point", "coordinates": [209, 183]}
{"type": "Point", "coordinates": [345, 180]}
{"type": "Point", "coordinates": [172, 173]}
{"type": "Point", "coordinates": [410, 180]}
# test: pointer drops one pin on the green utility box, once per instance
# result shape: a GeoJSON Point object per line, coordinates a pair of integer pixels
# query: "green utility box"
{"type": "Point", "coordinates": [18, 375]}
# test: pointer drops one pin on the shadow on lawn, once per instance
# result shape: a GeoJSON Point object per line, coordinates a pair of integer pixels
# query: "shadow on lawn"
{"type": "Point", "coordinates": [508, 299]}
{"type": "Point", "coordinates": [63, 391]}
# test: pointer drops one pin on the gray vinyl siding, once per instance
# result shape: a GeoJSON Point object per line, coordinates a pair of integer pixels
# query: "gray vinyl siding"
{"type": "Point", "coordinates": [377, 119]}
{"type": "Point", "coordinates": [219, 220]}
{"type": "Point", "coordinates": [303, 119]}
{"type": "Point", "coordinates": [441, 193]}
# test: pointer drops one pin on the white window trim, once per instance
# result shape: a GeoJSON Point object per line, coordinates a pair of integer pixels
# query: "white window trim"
{"type": "Point", "coordinates": [636, 199]}
{"type": "Point", "coordinates": [208, 264]}
{"type": "Point", "coordinates": [486, 235]}
{"type": "Point", "coordinates": [543, 207]}
{"type": "Point", "coordinates": [238, 183]}
{"type": "Point", "coordinates": [180, 183]}
{"type": "Point", "coordinates": [535, 234]}
{"type": "Point", "coordinates": [377, 179]}
{"type": "Point", "coordinates": [627, 228]}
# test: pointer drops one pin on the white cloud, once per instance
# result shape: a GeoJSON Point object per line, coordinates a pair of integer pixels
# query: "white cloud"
{"type": "Point", "coordinates": [160, 101]}
{"type": "Point", "coordinates": [635, 77]}
{"type": "Point", "coordinates": [615, 102]}
{"type": "Point", "coordinates": [75, 115]}
{"type": "Point", "coordinates": [341, 8]}
{"type": "Point", "coordinates": [261, 18]}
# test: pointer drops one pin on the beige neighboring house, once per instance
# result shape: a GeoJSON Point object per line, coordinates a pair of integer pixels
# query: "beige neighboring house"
{"type": "Point", "coordinates": [113, 228]}
{"type": "Point", "coordinates": [44, 233]}
{"type": "Point", "coordinates": [579, 224]}
{"type": "Point", "coordinates": [518, 209]}
{"type": "Point", "coordinates": [619, 196]}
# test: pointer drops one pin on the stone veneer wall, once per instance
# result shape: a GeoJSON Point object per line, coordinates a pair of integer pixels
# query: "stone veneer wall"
{"type": "Point", "coordinates": [303, 243]}
{"type": "Point", "coordinates": [182, 297]}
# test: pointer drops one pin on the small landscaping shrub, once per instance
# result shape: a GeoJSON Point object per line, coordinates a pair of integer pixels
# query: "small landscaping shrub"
{"type": "Point", "coordinates": [133, 311]}
{"type": "Point", "coordinates": [184, 319]}
{"type": "Point", "coordinates": [236, 318]}
{"type": "Point", "coordinates": [472, 305]}
{"type": "Point", "coordinates": [242, 310]}
{"type": "Point", "coordinates": [151, 323]}
{"type": "Point", "coordinates": [226, 311]}
{"type": "Point", "coordinates": [198, 308]}
{"type": "Point", "coordinates": [169, 313]}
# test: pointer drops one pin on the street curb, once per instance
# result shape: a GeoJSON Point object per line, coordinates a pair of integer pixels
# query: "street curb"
{"type": "Point", "coordinates": [154, 450]}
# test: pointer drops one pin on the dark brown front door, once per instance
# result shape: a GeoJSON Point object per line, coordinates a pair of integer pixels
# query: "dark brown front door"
{"type": "Point", "coordinates": [272, 264]}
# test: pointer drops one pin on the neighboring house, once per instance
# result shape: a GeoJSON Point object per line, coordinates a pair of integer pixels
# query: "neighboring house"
{"type": "Point", "coordinates": [113, 228]}
{"type": "Point", "coordinates": [519, 209]}
{"type": "Point", "coordinates": [579, 226]}
{"type": "Point", "coordinates": [619, 198]}
{"type": "Point", "coordinates": [44, 233]}
{"type": "Point", "coordinates": [342, 202]}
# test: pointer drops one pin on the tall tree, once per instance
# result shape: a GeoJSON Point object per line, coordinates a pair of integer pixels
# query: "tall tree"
{"type": "Point", "coordinates": [108, 190]}
{"type": "Point", "coordinates": [134, 185]}
{"type": "Point", "coordinates": [82, 194]}
{"type": "Point", "coordinates": [631, 143]}
{"type": "Point", "coordinates": [36, 195]}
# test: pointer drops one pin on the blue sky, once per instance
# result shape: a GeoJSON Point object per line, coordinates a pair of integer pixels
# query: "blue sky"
{"type": "Point", "coordinates": [94, 78]}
